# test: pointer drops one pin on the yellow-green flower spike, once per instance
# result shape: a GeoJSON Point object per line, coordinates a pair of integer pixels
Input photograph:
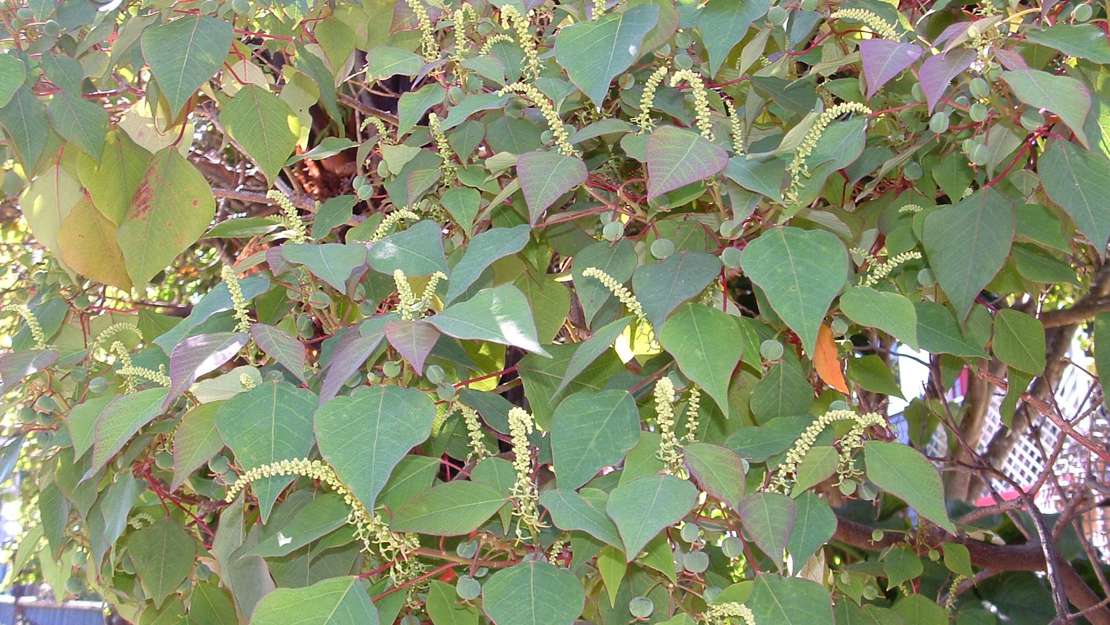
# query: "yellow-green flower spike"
{"type": "Point", "coordinates": [799, 168]}
{"type": "Point", "coordinates": [461, 16]}
{"type": "Point", "coordinates": [494, 40]}
{"type": "Point", "coordinates": [290, 218]}
{"type": "Point", "coordinates": [246, 381]}
{"type": "Point", "coordinates": [669, 453]}
{"type": "Point", "coordinates": [782, 479]}
{"type": "Point", "coordinates": [473, 424]}
{"type": "Point", "coordinates": [647, 98]}
{"type": "Point", "coordinates": [379, 125]}
{"type": "Point", "coordinates": [443, 148]}
{"type": "Point", "coordinates": [33, 325]}
{"type": "Point", "coordinates": [390, 220]}
{"type": "Point", "coordinates": [429, 48]}
{"type": "Point", "coordinates": [701, 99]}
{"type": "Point", "coordinates": [626, 298]}
{"type": "Point", "coordinates": [876, 274]}
{"type": "Point", "coordinates": [735, 127]}
{"type": "Point", "coordinates": [238, 302]}
{"type": "Point", "coordinates": [870, 19]}
{"type": "Point", "coordinates": [728, 613]}
{"type": "Point", "coordinates": [547, 109]}
{"type": "Point", "coordinates": [511, 19]}
{"type": "Point", "coordinates": [599, 9]}
{"type": "Point", "coordinates": [129, 371]}
{"type": "Point", "coordinates": [525, 497]}
{"type": "Point", "coordinates": [409, 307]}
{"type": "Point", "coordinates": [112, 331]}
{"type": "Point", "coordinates": [693, 406]}
{"type": "Point", "coordinates": [370, 529]}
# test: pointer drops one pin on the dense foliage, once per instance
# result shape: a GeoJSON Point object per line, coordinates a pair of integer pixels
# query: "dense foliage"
{"type": "Point", "coordinates": [527, 311]}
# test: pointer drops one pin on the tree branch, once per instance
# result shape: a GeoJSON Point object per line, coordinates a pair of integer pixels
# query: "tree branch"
{"type": "Point", "coordinates": [1022, 557]}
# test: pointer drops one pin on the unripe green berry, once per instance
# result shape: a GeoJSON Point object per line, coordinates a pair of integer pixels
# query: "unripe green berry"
{"type": "Point", "coordinates": [1031, 119]}
{"type": "Point", "coordinates": [467, 588]}
{"type": "Point", "coordinates": [771, 349]}
{"type": "Point", "coordinates": [695, 561]}
{"type": "Point", "coordinates": [839, 326]}
{"type": "Point", "coordinates": [981, 154]}
{"type": "Point", "coordinates": [662, 248]}
{"type": "Point", "coordinates": [978, 112]}
{"type": "Point", "coordinates": [917, 93]}
{"type": "Point", "coordinates": [613, 231]}
{"type": "Point", "coordinates": [1082, 13]}
{"type": "Point", "coordinates": [912, 170]}
{"type": "Point", "coordinates": [690, 532]}
{"type": "Point", "coordinates": [732, 547]}
{"type": "Point", "coordinates": [434, 374]}
{"type": "Point", "coordinates": [938, 123]}
{"type": "Point", "coordinates": [391, 368]}
{"type": "Point", "coordinates": [641, 607]}
{"type": "Point", "coordinates": [979, 87]}
{"type": "Point", "coordinates": [730, 257]}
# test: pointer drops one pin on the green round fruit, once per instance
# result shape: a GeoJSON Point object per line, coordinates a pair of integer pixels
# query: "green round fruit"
{"type": "Point", "coordinates": [979, 87]}
{"type": "Point", "coordinates": [467, 588]}
{"type": "Point", "coordinates": [641, 607]}
{"type": "Point", "coordinates": [466, 549]}
{"type": "Point", "coordinates": [1082, 13]}
{"type": "Point", "coordinates": [730, 257]}
{"type": "Point", "coordinates": [1031, 118]}
{"type": "Point", "coordinates": [98, 385]}
{"type": "Point", "coordinates": [695, 561]}
{"type": "Point", "coordinates": [732, 547]}
{"type": "Point", "coordinates": [164, 460]}
{"type": "Point", "coordinates": [839, 326]}
{"type": "Point", "coordinates": [978, 112]}
{"type": "Point", "coordinates": [391, 368]}
{"type": "Point", "coordinates": [912, 170]}
{"type": "Point", "coordinates": [613, 231]}
{"type": "Point", "coordinates": [690, 532]}
{"type": "Point", "coordinates": [435, 374]}
{"type": "Point", "coordinates": [981, 154]}
{"type": "Point", "coordinates": [771, 349]}
{"type": "Point", "coordinates": [938, 123]}
{"type": "Point", "coordinates": [662, 248]}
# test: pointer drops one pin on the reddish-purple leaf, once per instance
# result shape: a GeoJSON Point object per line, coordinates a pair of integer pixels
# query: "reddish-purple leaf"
{"type": "Point", "coordinates": [414, 340]}
{"type": "Point", "coordinates": [883, 60]}
{"type": "Point", "coordinates": [951, 32]}
{"type": "Point", "coordinates": [939, 70]}
{"type": "Point", "coordinates": [346, 360]}
{"type": "Point", "coordinates": [1010, 59]}
{"type": "Point", "coordinates": [198, 355]}
{"type": "Point", "coordinates": [285, 349]}
{"type": "Point", "coordinates": [547, 176]}
{"type": "Point", "coordinates": [677, 157]}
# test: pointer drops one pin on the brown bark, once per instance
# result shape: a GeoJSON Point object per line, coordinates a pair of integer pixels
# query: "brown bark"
{"type": "Point", "coordinates": [1002, 558]}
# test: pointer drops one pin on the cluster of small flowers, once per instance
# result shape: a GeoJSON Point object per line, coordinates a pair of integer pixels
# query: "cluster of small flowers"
{"type": "Point", "coordinates": [379, 125]}
{"type": "Point", "coordinates": [735, 127]}
{"type": "Point", "coordinates": [487, 47]}
{"type": "Point", "coordinates": [647, 98]}
{"type": "Point", "coordinates": [33, 325]}
{"type": "Point", "coordinates": [547, 109]}
{"type": "Point", "coordinates": [238, 302]}
{"type": "Point", "coordinates": [443, 148]}
{"type": "Point", "coordinates": [669, 452]}
{"type": "Point", "coordinates": [525, 497]}
{"type": "Point", "coordinates": [291, 220]}
{"type": "Point", "coordinates": [693, 405]}
{"type": "Point", "coordinates": [599, 8]}
{"type": "Point", "coordinates": [370, 529]}
{"type": "Point", "coordinates": [111, 331]}
{"type": "Point", "coordinates": [798, 167]}
{"type": "Point", "coordinates": [429, 48]}
{"type": "Point", "coordinates": [883, 269]}
{"type": "Point", "coordinates": [410, 307]}
{"type": "Point", "coordinates": [129, 371]}
{"type": "Point", "coordinates": [246, 381]}
{"type": "Point", "coordinates": [511, 19]}
{"type": "Point", "coordinates": [625, 297]}
{"type": "Point", "coordinates": [870, 19]}
{"type": "Point", "coordinates": [701, 100]}
{"type": "Point", "coordinates": [724, 613]}
{"type": "Point", "coordinates": [391, 220]}
{"type": "Point", "coordinates": [460, 17]}
{"type": "Point", "coordinates": [473, 432]}
{"type": "Point", "coordinates": [849, 443]}
{"type": "Point", "coordinates": [910, 209]}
